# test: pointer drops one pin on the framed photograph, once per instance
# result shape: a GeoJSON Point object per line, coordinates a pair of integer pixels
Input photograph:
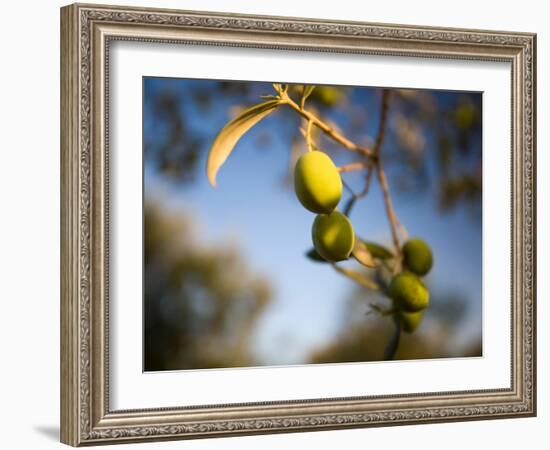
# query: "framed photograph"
{"type": "Point", "coordinates": [277, 224]}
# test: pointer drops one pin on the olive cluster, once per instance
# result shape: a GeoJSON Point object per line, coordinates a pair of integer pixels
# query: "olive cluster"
{"type": "Point", "coordinates": [318, 186]}
{"type": "Point", "coordinates": [409, 293]}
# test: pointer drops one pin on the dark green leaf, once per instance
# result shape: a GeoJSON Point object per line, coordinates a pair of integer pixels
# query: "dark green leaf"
{"type": "Point", "coordinates": [378, 251]}
{"type": "Point", "coordinates": [314, 256]}
{"type": "Point", "coordinates": [306, 92]}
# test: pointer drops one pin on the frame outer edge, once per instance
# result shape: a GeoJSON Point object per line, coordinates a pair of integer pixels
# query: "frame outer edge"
{"type": "Point", "coordinates": [533, 186]}
{"type": "Point", "coordinates": [535, 159]}
{"type": "Point", "coordinates": [82, 410]}
{"type": "Point", "coordinates": [69, 184]}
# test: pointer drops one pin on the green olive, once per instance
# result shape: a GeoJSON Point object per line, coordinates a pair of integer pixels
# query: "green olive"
{"type": "Point", "coordinates": [333, 236]}
{"type": "Point", "coordinates": [409, 292]}
{"type": "Point", "coordinates": [410, 321]}
{"type": "Point", "coordinates": [327, 95]}
{"type": "Point", "coordinates": [417, 256]}
{"type": "Point", "coordinates": [465, 115]}
{"type": "Point", "coordinates": [317, 182]}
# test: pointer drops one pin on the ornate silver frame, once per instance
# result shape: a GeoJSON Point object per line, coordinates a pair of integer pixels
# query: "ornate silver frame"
{"type": "Point", "coordinates": [86, 32]}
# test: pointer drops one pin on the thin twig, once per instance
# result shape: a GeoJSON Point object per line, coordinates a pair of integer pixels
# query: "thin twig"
{"type": "Point", "coordinates": [328, 130]}
{"type": "Point", "coordinates": [382, 125]}
{"type": "Point", "coordinates": [308, 136]}
{"type": "Point", "coordinates": [354, 166]}
{"type": "Point", "coordinates": [368, 180]}
{"type": "Point", "coordinates": [357, 195]}
{"type": "Point", "coordinates": [375, 160]}
{"type": "Point", "coordinates": [393, 345]}
{"type": "Point", "coordinates": [349, 188]}
{"type": "Point", "coordinates": [390, 211]}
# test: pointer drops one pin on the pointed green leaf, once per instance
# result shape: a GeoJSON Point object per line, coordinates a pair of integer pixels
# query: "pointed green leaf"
{"type": "Point", "coordinates": [378, 251]}
{"type": "Point", "coordinates": [362, 254]}
{"type": "Point", "coordinates": [357, 277]}
{"type": "Point", "coordinates": [306, 92]}
{"type": "Point", "coordinates": [314, 256]}
{"type": "Point", "coordinates": [230, 134]}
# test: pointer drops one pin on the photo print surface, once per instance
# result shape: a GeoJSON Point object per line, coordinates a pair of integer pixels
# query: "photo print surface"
{"type": "Point", "coordinates": [289, 224]}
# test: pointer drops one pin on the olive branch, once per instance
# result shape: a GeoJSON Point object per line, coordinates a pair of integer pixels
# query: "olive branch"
{"type": "Point", "coordinates": [407, 289]}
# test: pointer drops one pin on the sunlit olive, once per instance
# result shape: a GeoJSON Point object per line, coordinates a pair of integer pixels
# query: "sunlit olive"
{"type": "Point", "coordinates": [417, 256]}
{"type": "Point", "coordinates": [333, 236]}
{"type": "Point", "coordinates": [409, 292]}
{"type": "Point", "coordinates": [317, 182]}
{"type": "Point", "coordinates": [410, 321]}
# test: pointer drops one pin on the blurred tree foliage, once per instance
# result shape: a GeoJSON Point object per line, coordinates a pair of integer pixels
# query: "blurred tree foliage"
{"type": "Point", "coordinates": [454, 165]}
{"type": "Point", "coordinates": [175, 155]}
{"type": "Point", "coordinates": [364, 338]}
{"type": "Point", "coordinates": [201, 302]}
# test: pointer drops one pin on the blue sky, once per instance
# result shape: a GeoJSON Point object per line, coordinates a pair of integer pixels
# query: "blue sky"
{"type": "Point", "coordinates": [273, 230]}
